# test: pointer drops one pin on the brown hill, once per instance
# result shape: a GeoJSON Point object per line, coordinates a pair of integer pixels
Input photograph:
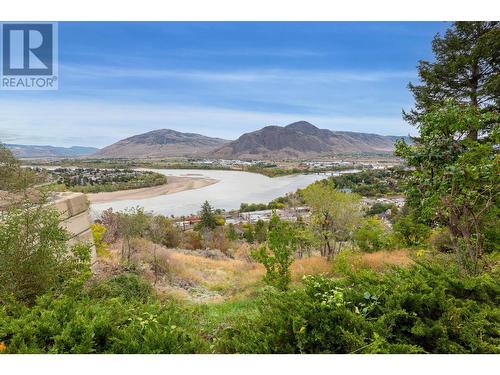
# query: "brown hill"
{"type": "Point", "coordinates": [302, 140]}
{"type": "Point", "coordinates": [161, 143]}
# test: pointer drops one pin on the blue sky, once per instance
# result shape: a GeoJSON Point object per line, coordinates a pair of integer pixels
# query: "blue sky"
{"type": "Point", "coordinates": [221, 79]}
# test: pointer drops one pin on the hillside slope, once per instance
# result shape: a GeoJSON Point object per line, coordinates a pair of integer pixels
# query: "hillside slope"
{"type": "Point", "coordinates": [161, 143]}
{"type": "Point", "coordinates": [302, 140]}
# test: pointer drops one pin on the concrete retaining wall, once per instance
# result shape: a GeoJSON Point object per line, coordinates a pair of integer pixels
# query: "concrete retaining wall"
{"type": "Point", "coordinates": [75, 215]}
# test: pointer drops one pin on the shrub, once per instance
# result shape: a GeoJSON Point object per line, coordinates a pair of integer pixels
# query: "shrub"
{"type": "Point", "coordinates": [440, 240]}
{"type": "Point", "coordinates": [409, 232]}
{"type": "Point", "coordinates": [192, 240]}
{"type": "Point", "coordinates": [128, 285]}
{"type": "Point", "coordinates": [372, 235]}
{"type": "Point", "coordinates": [278, 254]}
{"type": "Point", "coordinates": [35, 256]}
{"type": "Point", "coordinates": [426, 308]}
{"type": "Point", "coordinates": [98, 232]}
{"type": "Point", "coordinates": [81, 324]}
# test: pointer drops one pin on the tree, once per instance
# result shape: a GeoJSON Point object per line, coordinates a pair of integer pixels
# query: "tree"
{"type": "Point", "coordinates": [409, 231]}
{"type": "Point", "coordinates": [164, 232]}
{"type": "Point", "coordinates": [98, 231]}
{"type": "Point", "coordinates": [335, 215]}
{"type": "Point", "coordinates": [306, 239]}
{"type": "Point", "coordinates": [35, 256]}
{"type": "Point", "coordinates": [12, 176]}
{"type": "Point", "coordinates": [278, 254]}
{"type": "Point", "coordinates": [372, 235]}
{"type": "Point", "coordinates": [260, 231]}
{"type": "Point", "coordinates": [132, 223]}
{"type": "Point", "coordinates": [466, 70]}
{"type": "Point", "coordinates": [231, 233]}
{"type": "Point", "coordinates": [207, 217]}
{"type": "Point", "coordinates": [456, 177]}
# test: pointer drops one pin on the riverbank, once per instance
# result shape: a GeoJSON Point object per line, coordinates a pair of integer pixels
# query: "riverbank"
{"type": "Point", "coordinates": [175, 184]}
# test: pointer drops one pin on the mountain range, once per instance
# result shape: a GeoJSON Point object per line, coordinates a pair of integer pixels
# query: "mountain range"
{"type": "Point", "coordinates": [300, 140]}
{"type": "Point", "coordinates": [32, 151]}
{"type": "Point", "coordinates": [297, 140]}
{"type": "Point", "coordinates": [161, 143]}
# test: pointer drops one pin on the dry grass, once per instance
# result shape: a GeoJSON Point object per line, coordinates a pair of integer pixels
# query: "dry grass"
{"type": "Point", "coordinates": [381, 259]}
{"type": "Point", "coordinates": [224, 275]}
{"type": "Point", "coordinates": [189, 276]}
{"type": "Point", "coordinates": [377, 261]}
{"type": "Point", "coordinates": [310, 266]}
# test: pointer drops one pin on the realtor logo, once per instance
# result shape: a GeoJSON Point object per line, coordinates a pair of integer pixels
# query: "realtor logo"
{"type": "Point", "coordinates": [29, 56]}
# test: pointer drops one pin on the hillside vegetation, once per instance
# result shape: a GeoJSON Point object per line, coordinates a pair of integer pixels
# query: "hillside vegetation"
{"type": "Point", "coordinates": [342, 276]}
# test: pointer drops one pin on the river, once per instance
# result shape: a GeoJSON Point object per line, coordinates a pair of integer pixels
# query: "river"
{"type": "Point", "coordinates": [233, 188]}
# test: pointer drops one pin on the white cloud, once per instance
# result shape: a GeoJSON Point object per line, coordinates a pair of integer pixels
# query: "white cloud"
{"type": "Point", "coordinates": [264, 75]}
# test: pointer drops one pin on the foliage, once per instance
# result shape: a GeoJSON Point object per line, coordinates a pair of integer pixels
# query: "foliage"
{"type": "Point", "coordinates": [372, 235]}
{"type": "Point", "coordinates": [335, 215]}
{"type": "Point", "coordinates": [409, 232]}
{"type": "Point", "coordinates": [306, 238]}
{"type": "Point", "coordinates": [456, 180]}
{"type": "Point", "coordinates": [272, 170]}
{"type": "Point", "coordinates": [83, 324]}
{"type": "Point", "coordinates": [231, 233]}
{"type": "Point", "coordinates": [98, 232]}
{"type": "Point", "coordinates": [164, 232]}
{"type": "Point", "coordinates": [132, 223]}
{"type": "Point", "coordinates": [35, 256]}
{"type": "Point", "coordinates": [380, 207]}
{"type": "Point", "coordinates": [371, 182]}
{"type": "Point", "coordinates": [127, 285]}
{"type": "Point", "coordinates": [427, 308]}
{"type": "Point", "coordinates": [278, 254]}
{"type": "Point", "coordinates": [91, 180]}
{"type": "Point", "coordinates": [260, 231]}
{"type": "Point", "coordinates": [440, 240]}
{"type": "Point", "coordinates": [466, 70]}
{"type": "Point", "coordinates": [248, 233]}
{"type": "Point", "coordinates": [12, 176]}
{"type": "Point", "coordinates": [110, 220]}
{"type": "Point", "coordinates": [192, 240]}
{"type": "Point", "coordinates": [207, 217]}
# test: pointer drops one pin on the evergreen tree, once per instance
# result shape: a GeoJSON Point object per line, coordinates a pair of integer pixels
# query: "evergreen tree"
{"type": "Point", "coordinates": [207, 217]}
{"type": "Point", "coordinates": [466, 69]}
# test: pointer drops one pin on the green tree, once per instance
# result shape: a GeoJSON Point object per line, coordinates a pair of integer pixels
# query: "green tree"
{"type": "Point", "coordinates": [207, 217]}
{"type": "Point", "coordinates": [456, 177]}
{"type": "Point", "coordinates": [372, 235]}
{"type": "Point", "coordinates": [163, 231]}
{"type": "Point", "coordinates": [98, 231]}
{"type": "Point", "coordinates": [278, 254]}
{"type": "Point", "coordinates": [335, 215]}
{"type": "Point", "coordinates": [409, 231]}
{"type": "Point", "coordinates": [466, 69]}
{"type": "Point", "coordinates": [248, 233]}
{"type": "Point", "coordinates": [132, 223]}
{"type": "Point", "coordinates": [35, 256]}
{"type": "Point", "coordinates": [260, 231]}
{"type": "Point", "coordinates": [231, 233]}
{"type": "Point", "coordinates": [12, 176]}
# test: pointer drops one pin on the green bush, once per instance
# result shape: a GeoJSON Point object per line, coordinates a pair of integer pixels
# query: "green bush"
{"type": "Point", "coordinates": [409, 232]}
{"type": "Point", "coordinates": [427, 308]}
{"type": "Point", "coordinates": [114, 323]}
{"type": "Point", "coordinates": [35, 256]}
{"type": "Point", "coordinates": [127, 285]}
{"type": "Point", "coordinates": [372, 235]}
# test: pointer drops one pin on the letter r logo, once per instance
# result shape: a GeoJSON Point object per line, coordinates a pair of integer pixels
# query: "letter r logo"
{"type": "Point", "coordinates": [27, 49]}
